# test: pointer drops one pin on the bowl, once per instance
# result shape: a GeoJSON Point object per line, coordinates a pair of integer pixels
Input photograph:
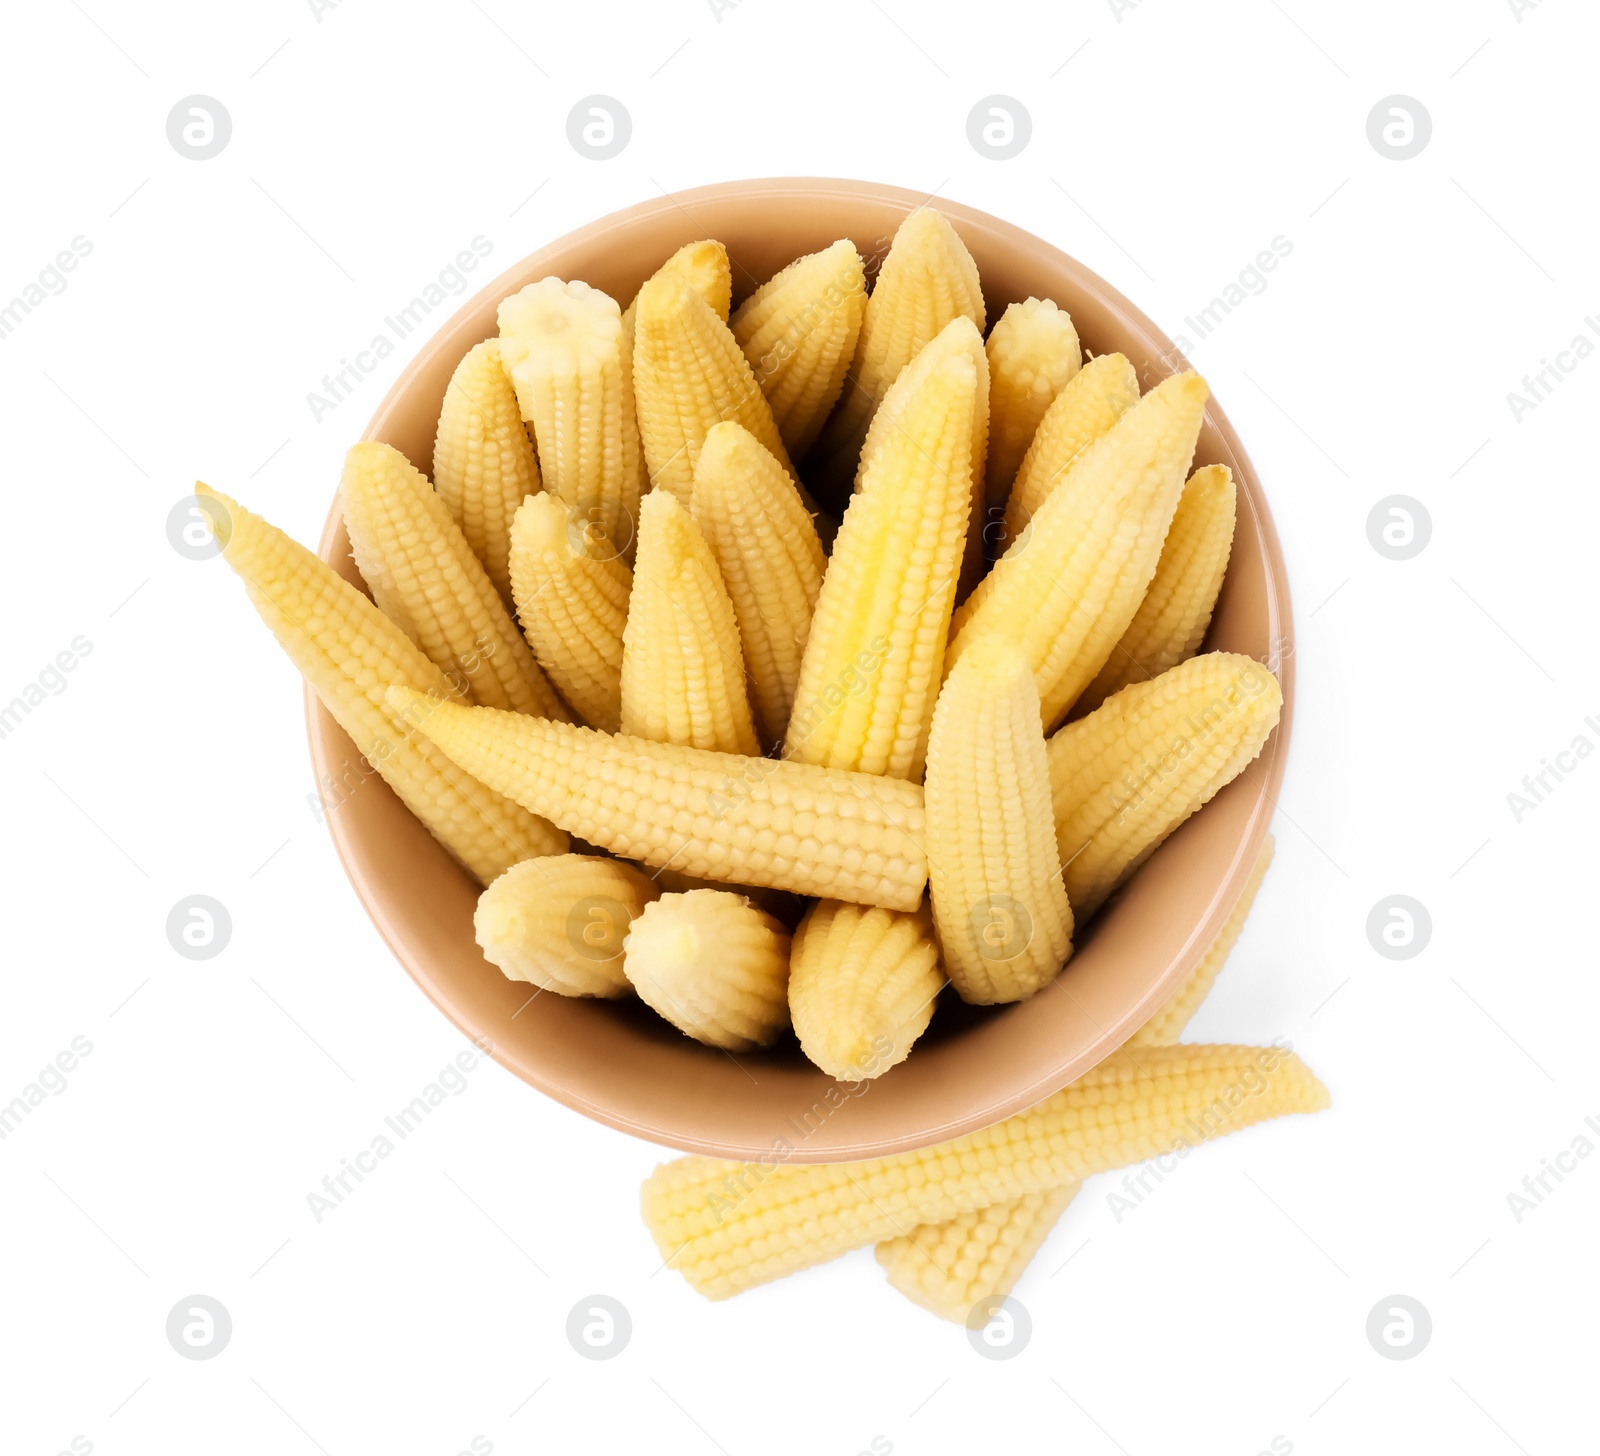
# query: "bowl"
{"type": "Point", "coordinates": [619, 1063]}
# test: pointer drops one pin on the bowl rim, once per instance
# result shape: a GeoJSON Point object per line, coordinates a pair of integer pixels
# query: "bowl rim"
{"type": "Point", "coordinates": [322, 731]}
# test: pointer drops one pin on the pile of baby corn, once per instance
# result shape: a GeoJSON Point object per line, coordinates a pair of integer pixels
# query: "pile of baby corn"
{"type": "Point", "coordinates": [618, 613]}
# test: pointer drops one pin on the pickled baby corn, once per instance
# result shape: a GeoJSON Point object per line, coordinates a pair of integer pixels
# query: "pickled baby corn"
{"type": "Point", "coordinates": [799, 332]}
{"type": "Point", "coordinates": [872, 663]}
{"type": "Point", "coordinates": [562, 345]}
{"type": "Point", "coordinates": [720, 816]}
{"type": "Point", "coordinates": [1172, 619]}
{"type": "Point", "coordinates": [1033, 352]}
{"type": "Point", "coordinates": [682, 666]}
{"type": "Point", "coordinates": [949, 1267]}
{"type": "Point", "coordinates": [713, 965]}
{"type": "Point", "coordinates": [729, 1226]}
{"type": "Point", "coordinates": [862, 983]}
{"type": "Point", "coordinates": [994, 873]}
{"type": "Point", "coordinates": [1089, 404]}
{"type": "Point", "coordinates": [350, 653]}
{"type": "Point", "coordinates": [705, 268]}
{"type": "Point", "coordinates": [573, 605]}
{"type": "Point", "coordinates": [425, 578]}
{"type": "Point", "coordinates": [689, 374]}
{"type": "Point", "coordinates": [928, 278]}
{"type": "Point", "coordinates": [1067, 592]}
{"type": "Point", "coordinates": [558, 922]}
{"type": "Point", "coordinates": [771, 562]}
{"type": "Point", "coordinates": [1128, 774]}
{"type": "Point", "coordinates": [483, 461]}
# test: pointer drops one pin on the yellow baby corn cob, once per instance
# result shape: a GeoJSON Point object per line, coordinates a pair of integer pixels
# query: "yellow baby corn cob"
{"type": "Point", "coordinates": [682, 668]}
{"type": "Point", "coordinates": [779, 904]}
{"type": "Point", "coordinates": [688, 374]}
{"type": "Point", "coordinates": [483, 461]}
{"type": "Point", "coordinates": [771, 562]}
{"type": "Point", "coordinates": [949, 1267]}
{"type": "Point", "coordinates": [799, 332]}
{"type": "Point", "coordinates": [573, 605]}
{"type": "Point", "coordinates": [1172, 619]}
{"type": "Point", "coordinates": [558, 922]}
{"type": "Point", "coordinates": [720, 816]}
{"type": "Point", "coordinates": [728, 1226]}
{"type": "Point", "coordinates": [1128, 774]}
{"type": "Point", "coordinates": [1033, 352]}
{"type": "Point", "coordinates": [862, 983]}
{"type": "Point", "coordinates": [928, 278]}
{"type": "Point", "coordinates": [563, 348]}
{"type": "Point", "coordinates": [994, 873]}
{"type": "Point", "coordinates": [350, 653]}
{"type": "Point", "coordinates": [1067, 591]}
{"type": "Point", "coordinates": [705, 268]}
{"type": "Point", "coordinates": [872, 663]}
{"type": "Point", "coordinates": [1089, 404]}
{"type": "Point", "coordinates": [1168, 1024]}
{"type": "Point", "coordinates": [715, 966]}
{"type": "Point", "coordinates": [424, 576]}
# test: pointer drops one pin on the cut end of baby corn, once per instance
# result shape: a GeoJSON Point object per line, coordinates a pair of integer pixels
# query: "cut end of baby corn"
{"type": "Point", "coordinates": [799, 332]}
{"type": "Point", "coordinates": [350, 653]}
{"type": "Point", "coordinates": [572, 599]}
{"type": "Point", "coordinates": [729, 1226]}
{"type": "Point", "coordinates": [425, 578]}
{"type": "Point", "coordinates": [1124, 777]}
{"type": "Point", "coordinates": [862, 983]}
{"type": "Point", "coordinates": [928, 278]}
{"type": "Point", "coordinates": [975, 1258]}
{"type": "Point", "coordinates": [872, 663]}
{"type": "Point", "coordinates": [1089, 404]}
{"type": "Point", "coordinates": [994, 872]}
{"type": "Point", "coordinates": [682, 666]}
{"type": "Point", "coordinates": [1168, 1024]}
{"type": "Point", "coordinates": [713, 965]}
{"type": "Point", "coordinates": [483, 461]}
{"type": "Point", "coordinates": [719, 816]}
{"type": "Point", "coordinates": [563, 346]}
{"type": "Point", "coordinates": [1066, 592]}
{"type": "Point", "coordinates": [1172, 619]}
{"type": "Point", "coordinates": [690, 374]}
{"type": "Point", "coordinates": [559, 921]}
{"type": "Point", "coordinates": [771, 561]}
{"type": "Point", "coordinates": [1033, 352]}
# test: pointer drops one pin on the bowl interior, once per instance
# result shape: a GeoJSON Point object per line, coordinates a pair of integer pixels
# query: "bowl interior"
{"type": "Point", "coordinates": [627, 1068]}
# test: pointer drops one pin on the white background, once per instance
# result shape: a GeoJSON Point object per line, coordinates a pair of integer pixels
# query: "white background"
{"type": "Point", "coordinates": [1170, 145]}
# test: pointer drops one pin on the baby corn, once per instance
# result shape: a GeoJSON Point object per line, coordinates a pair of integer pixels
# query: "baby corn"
{"type": "Point", "coordinates": [771, 562]}
{"type": "Point", "coordinates": [705, 268]}
{"type": "Point", "coordinates": [994, 874]}
{"type": "Point", "coordinates": [682, 668]}
{"type": "Point", "coordinates": [872, 663]}
{"type": "Point", "coordinates": [1172, 619]}
{"type": "Point", "coordinates": [563, 348]}
{"type": "Point", "coordinates": [425, 577]}
{"type": "Point", "coordinates": [715, 966]}
{"type": "Point", "coordinates": [1089, 404]}
{"type": "Point", "coordinates": [483, 461]}
{"type": "Point", "coordinates": [1128, 774]}
{"type": "Point", "coordinates": [350, 653]}
{"type": "Point", "coordinates": [558, 922]}
{"type": "Point", "coordinates": [928, 278]}
{"type": "Point", "coordinates": [1033, 352]}
{"type": "Point", "coordinates": [862, 983]}
{"type": "Point", "coordinates": [799, 332]}
{"type": "Point", "coordinates": [1067, 592]}
{"type": "Point", "coordinates": [729, 1226]}
{"type": "Point", "coordinates": [573, 605]}
{"type": "Point", "coordinates": [720, 816]}
{"type": "Point", "coordinates": [689, 374]}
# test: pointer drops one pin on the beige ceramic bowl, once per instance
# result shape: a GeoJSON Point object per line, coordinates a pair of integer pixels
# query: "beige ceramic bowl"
{"type": "Point", "coordinates": [618, 1062]}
